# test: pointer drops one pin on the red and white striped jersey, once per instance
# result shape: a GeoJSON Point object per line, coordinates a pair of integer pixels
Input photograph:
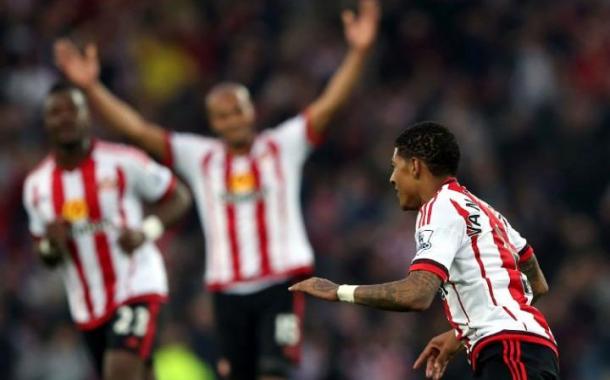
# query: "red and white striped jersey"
{"type": "Point", "coordinates": [99, 197]}
{"type": "Point", "coordinates": [249, 204]}
{"type": "Point", "coordinates": [476, 253]}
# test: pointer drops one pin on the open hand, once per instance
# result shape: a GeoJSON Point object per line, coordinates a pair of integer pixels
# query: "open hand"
{"type": "Point", "coordinates": [317, 287]}
{"type": "Point", "coordinates": [438, 353]}
{"type": "Point", "coordinates": [361, 30]}
{"type": "Point", "coordinates": [80, 68]}
{"type": "Point", "coordinates": [130, 240]}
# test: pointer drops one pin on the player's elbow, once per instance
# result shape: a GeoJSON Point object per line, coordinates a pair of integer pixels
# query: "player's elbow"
{"type": "Point", "coordinates": [421, 303]}
{"type": "Point", "coordinates": [541, 289]}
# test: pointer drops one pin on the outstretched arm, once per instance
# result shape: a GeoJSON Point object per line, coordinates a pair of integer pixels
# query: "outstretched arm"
{"type": "Point", "coordinates": [83, 70]}
{"type": "Point", "coordinates": [532, 270]}
{"type": "Point", "coordinates": [414, 293]}
{"type": "Point", "coordinates": [360, 32]}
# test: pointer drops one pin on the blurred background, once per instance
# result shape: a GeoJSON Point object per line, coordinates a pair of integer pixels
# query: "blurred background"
{"type": "Point", "coordinates": [525, 86]}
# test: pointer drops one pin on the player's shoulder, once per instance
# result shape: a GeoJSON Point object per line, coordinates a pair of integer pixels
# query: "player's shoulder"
{"type": "Point", "coordinates": [42, 167]}
{"type": "Point", "coordinates": [193, 138]}
{"type": "Point", "coordinates": [118, 152]}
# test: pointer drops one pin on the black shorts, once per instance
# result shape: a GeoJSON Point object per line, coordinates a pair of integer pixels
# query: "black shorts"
{"type": "Point", "coordinates": [260, 333]}
{"type": "Point", "coordinates": [515, 360]}
{"type": "Point", "coordinates": [132, 327]}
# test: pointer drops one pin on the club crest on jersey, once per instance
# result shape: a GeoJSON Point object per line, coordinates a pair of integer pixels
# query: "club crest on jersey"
{"type": "Point", "coordinates": [423, 240]}
{"type": "Point", "coordinates": [75, 210]}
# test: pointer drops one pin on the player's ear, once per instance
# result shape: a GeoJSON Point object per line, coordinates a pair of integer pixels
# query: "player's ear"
{"type": "Point", "coordinates": [416, 167]}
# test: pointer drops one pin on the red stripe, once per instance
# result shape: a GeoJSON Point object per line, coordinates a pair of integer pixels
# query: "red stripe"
{"type": "Point", "coordinates": [149, 338]}
{"type": "Point", "coordinates": [171, 188]}
{"type": "Point", "coordinates": [298, 308]}
{"type": "Point", "coordinates": [455, 326]}
{"type": "Point", "coordinates": [460, 301]}
{"type": "Point", "coordinates": [422, 220]}
{"type": "Point", "coordinates": [429, 217]}
{"type": "Point", "coordinates": [121, 185]}
{"type": "Point", "coordinates": [168, 155]}
{"type": "Point", "coordinates": [281, 198]}
{"type": "Point", "coordinates": [475, 248]}
{"type": "Point", "coordinates": [313, 137]}
{"type": "Point", "coordinates": [58, 203]}
{"type": "Point", "coordinates": [261, 220]}
{"type": "Point", "coordinates": [520, 363]}
{"type": "Point", "coordinates": [507, 356]}
{"type": "Point", "coordinates": [526, 253]}
{"type": "Point", "coordinates": [430, 266]}
{"type": "Point", "coordinates": [102, 246]}
{"type": "Point", "coordinates": [231, 220]}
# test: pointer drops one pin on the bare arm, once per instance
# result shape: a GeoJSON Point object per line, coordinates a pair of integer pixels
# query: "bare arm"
{"type": "Point", "coordinates": [535, 276]}
{"type": "Point", "coordinates": [414, 293]}
{"type": "Point", "coordinates": [83, 70]}
{"type": "Point", "coordinates": [168, 212]}
{"type": "Point", "coordinates": [360, 33]}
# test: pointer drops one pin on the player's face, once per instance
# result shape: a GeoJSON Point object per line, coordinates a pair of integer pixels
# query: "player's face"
{"type": "Point", "coordinates": [66, 117]}
{"type": "Point", "coordinates": [231, 115]}
{"type": "Point", "coordinates": [403, 180]}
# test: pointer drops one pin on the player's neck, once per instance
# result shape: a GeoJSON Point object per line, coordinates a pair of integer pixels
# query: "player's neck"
{"type": "Point", "coordinates": [240, 149]}
{"type": "Point", "coordinates": [70, 156]}
{"type": "Point", "coordinates": [432, 187]}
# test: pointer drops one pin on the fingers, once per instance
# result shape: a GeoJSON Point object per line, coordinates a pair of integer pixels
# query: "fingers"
{"type": "Point", "coordinates": [348, 17]}
{"type": "Point", "coordinates": [429, 350]}
{"type": "Point", "coordinates": [91, 52]}
{"type": "Point", "coordinates": [299, 286]}
{"type": "Point", "coordinates": [369, 9]}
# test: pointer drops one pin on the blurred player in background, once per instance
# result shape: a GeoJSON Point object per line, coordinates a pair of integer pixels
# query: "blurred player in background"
{"type": "Point", "coordinates": [485, 272]}
{"type": "Point", "coordinates": [85, 207]}
{"type": "Point", "coordinates": [246, 185]}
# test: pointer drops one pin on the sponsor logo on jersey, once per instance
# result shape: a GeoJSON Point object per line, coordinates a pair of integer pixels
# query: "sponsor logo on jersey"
{"type": "Point", "coordinates": [75, 210]}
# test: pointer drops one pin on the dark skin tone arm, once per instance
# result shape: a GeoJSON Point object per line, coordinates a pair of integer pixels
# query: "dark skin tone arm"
{"type": "Point", "coordinates": [168, 211]}
{"type": "Point", "coordinates": [534, 274]}
{"type": "Point", "coordinates": [413, 293]}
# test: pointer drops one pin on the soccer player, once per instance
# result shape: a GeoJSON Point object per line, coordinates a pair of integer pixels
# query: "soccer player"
{"type": "Point", "coordinates": [246, 186]}
{"type": "Point", "coordinates": [485, 272]}
{"type": "Point", "coordinates": [85, 206]}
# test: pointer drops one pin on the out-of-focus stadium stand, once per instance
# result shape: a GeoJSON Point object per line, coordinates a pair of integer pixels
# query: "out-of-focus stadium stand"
{"type": "Point", "coordinates": [525, 85]}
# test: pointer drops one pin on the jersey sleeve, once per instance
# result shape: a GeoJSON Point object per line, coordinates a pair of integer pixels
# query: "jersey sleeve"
{"type": "Point", "coordinates": [296, 136]}
{"type": "Point", "coordinates": [150, 180]}
{"type": "Point", "coordinates": [523, 248]}
{"type": "Point", "coordinates": [438, 238]}
{"type": "Point", "coordinates": [36, 223]}
{"type": "Point", "coordinates": [184, 151]}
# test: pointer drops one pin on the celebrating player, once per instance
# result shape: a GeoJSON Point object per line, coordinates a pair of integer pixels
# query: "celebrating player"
{"type": "Point", "coordinates": [486, 272]}
{"type": "Point", "coordinates": [85, 207]}
{"type": "Point", "coordinates": [246, 185]}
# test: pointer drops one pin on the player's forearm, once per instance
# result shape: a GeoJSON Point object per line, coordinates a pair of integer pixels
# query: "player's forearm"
{"type": "Point", "coordinates": [123, 119]}
{"type": "Point", "coordinates": [414, 293]}
{"type": "Point", "coordinates": [338, 89]}
{"type": "Point", "coordinates": [535, 277]}
{"type": "Point", "coordinates": [173, 209]}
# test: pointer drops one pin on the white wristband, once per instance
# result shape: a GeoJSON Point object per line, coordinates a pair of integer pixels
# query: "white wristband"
{"type": "Point", "coordinates": [44, 246]}
{"type": "Point", "coordinates": [152, 227]}
{"type": "Point", "coordinates": [345, 293]}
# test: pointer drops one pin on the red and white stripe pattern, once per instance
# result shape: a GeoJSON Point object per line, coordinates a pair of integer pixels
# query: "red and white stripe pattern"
{"type": "Point", "coordinates": [249, 204]}
{"type": "Point", "coordinates": [475, 252]}
{"type": "Point", "coordinates": [98, 198]}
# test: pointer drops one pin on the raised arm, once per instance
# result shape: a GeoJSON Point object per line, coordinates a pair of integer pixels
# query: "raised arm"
{"type": "Point", "coordinates": [413, 293]}
{"type": "Point", "coordinates": [360, 33]}
{"type": "Point", "coordinates": [83, 70]}
{"type": "Point", "coordinates": [532, 270]}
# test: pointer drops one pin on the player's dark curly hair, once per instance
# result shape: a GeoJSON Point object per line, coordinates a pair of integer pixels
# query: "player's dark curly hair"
{"type": "Point", "coordinates": [432, 143]}
{"type": "Point", "coordinates": [61, 86]}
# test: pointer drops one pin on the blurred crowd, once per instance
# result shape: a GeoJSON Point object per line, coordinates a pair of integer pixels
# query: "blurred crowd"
{"type": "Point", "coordinates": [525, 86]}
